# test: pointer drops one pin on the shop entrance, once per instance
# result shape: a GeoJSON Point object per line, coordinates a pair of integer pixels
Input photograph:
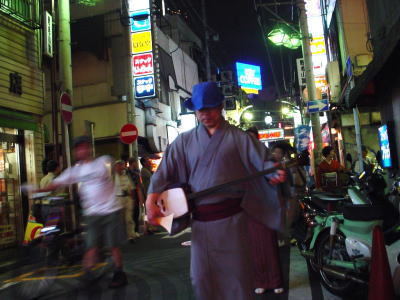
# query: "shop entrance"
{"type": "Point", "coordinates": [12, 173]}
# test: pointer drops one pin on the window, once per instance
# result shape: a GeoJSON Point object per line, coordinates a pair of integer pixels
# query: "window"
{"type": "Point", "coordinates": [25, 11]}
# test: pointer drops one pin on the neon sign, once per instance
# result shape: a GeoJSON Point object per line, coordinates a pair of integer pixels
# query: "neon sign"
{"type": "Point", "coordinates": [249, 76]}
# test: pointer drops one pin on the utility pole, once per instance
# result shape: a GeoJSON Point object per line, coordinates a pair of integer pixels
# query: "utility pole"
{"type": "Point", "coordinates": [65, 62]}
{"type": "Point", "coordinates": [207, 37]}
{"type": "Point", "coordinates": [131, 115]}
{"type": "Point", "coordinates": [312, 91]}
{"type": "Point", "coordinates": [65, 75]}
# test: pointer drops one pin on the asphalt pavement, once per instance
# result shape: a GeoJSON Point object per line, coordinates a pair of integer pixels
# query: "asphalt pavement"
{"type": "Point", "coordinates": [157, 267]}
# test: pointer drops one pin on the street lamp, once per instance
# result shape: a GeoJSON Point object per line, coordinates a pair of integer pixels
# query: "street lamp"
{"type": "Point", "coordinates": [281, 36]}
{"type": "Point", "coordinates": [278, 36]}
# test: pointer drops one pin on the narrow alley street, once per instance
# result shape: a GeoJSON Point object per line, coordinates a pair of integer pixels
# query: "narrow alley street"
{"type": "Point", "coordinates": [158, 268]}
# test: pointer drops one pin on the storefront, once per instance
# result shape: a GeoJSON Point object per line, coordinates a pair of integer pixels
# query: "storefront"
{"type": "Point", "coordinates": [16, 161]}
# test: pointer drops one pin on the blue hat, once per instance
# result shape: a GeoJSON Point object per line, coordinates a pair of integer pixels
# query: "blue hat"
{"type": "Point", "coordinates": [204, 95]}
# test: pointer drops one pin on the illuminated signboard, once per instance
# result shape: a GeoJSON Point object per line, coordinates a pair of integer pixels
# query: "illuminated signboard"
{"type": "Point", "coordinates": [139, 4]}
{"type": "Point", "coordinates": [271, 134]}
{"type": "Point", "coordinates": [140, 20]}
{"type": "Point", "coordinates": [249, 76]}
{"type": "Point", "coordinates": [385, 146]}
{"type": "Point", "coordinates": [141, 42]}
{"type": "Point", "coordinates": [145, 87]}
{"type": "Point", "coordinates": [142, 64]}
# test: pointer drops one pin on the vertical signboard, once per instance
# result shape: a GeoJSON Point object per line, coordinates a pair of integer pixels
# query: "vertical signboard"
{"type": "Point", "coordinates": [318, 51]}
{"type": "Point", "coordinates": [48, 34]}
{"type": "Point", "coordinates": [142, 49]}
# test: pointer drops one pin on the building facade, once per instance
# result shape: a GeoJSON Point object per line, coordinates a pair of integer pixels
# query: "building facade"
{"type": "Point", "coordinates": [102, 66]}
{"type": "Point", "coordinates": [21, 109]}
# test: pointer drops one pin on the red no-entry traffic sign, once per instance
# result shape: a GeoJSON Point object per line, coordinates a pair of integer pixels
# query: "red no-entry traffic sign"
{"type": "Point", "coordinates": [66, 107]}
{"type": "Point", "coordinates": [128, 134]}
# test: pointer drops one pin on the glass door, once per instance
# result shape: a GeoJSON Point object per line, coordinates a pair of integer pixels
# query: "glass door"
{"type": "Point", "coordinates": [10, 196]}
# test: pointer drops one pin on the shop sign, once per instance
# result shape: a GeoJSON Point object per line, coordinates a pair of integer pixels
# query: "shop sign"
{"type": "Point", "coordinates": [139, 4]}
{"type": "Point", "coordinates": [249, 76]}
{"type": "Point", "coordinates": [142, 64]}
{"type": "Point", "coordinates": [271, 134]}
{"type": "Point", "coordinates": [317, 46]}
{"type": "Point", "coordinates": [141, 42]}
{"type": "Point", "coordinates": [385, 146]}
{"type": "Point", "coordinates": [145, 87]}
{"type": "Point", "coordinates": [325, 136]}
{"type": "Point", "coordinates": [48, 34]}
{"type": "Point", "coordinates": [301, 72]}
{"type": "Point", "coordinates": [7, 234]}
{"type": "Point", "coordinates": [302, 135]}
{"type": "Point", "coordinates": [140, 20]}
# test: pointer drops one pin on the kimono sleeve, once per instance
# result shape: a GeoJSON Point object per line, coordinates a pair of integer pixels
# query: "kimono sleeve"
{"type": "Point", "coordinates": [172, 168]}
{"type": "Point", "coordinates": [253, 152]}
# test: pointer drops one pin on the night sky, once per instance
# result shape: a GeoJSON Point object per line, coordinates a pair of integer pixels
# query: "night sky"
{"type": "Point", "coordinates": [241, 38]}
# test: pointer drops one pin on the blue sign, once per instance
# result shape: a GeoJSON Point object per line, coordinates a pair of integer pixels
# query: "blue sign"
{"type": "Point", "coordinates": [317, 105]}
{"type": "Point", "coordinates": [303, 139]}
{"type": "Point", "coordinates": [249, 76]}
{"type": "Point", "coordinates": [140, 20]}
{"type": "Point", "coordinates": [145, 87]}
{"type": "Point", "coordinates": [385, 146]}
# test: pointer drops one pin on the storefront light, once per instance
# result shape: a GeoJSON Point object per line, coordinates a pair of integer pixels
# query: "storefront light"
{"type": "Point", "coordinates": [268, 120]}
{"type": "Point", "coordinates": [285, 110]}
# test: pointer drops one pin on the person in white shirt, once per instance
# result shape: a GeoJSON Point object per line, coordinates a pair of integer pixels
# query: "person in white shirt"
{"type": "Point", "coordinates": [101, 209]}
{"type": "Point", "coordinates": [124, 188]}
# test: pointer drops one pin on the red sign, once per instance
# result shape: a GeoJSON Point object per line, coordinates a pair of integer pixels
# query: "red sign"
{"type": "Point", "coordinates": [66, 107]}
{"type": "Point", "coordinates": [142, 64]}
{"type": "Point", "coordinates": [128, 133]}
{"type": "Point", "coordinates": [271, 134]}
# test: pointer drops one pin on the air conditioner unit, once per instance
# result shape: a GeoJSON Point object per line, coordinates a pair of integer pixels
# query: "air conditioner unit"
{"type": "Point", "coordinates": [333, 74]}
{"type": "Point", "coordinates": [228, 90]}
{"type": "Point", "coordinates": [227, 76]}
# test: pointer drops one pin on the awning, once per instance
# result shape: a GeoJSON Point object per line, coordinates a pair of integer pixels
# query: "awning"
{"type": "Point", "coordinates": [166, 66]}
{"type": "Point", "coordinates": [380, 58]}
{"type": "Point", "coordinates": [18, 120]}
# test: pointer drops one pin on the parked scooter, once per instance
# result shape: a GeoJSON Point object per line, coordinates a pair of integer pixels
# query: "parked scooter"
{"type": "Point", "coordinates": [337, 244]}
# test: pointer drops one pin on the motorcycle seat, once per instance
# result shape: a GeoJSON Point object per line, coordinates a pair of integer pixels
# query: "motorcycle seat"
{"type": "Point", "coordinates": [329, 197]}
{"type": "Point", "coordinates": [363, 212]}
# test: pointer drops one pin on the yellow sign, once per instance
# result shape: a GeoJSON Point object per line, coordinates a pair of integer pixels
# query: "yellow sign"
{"type": "Point", "coordinates": [141, 42]}
{"type": "Point", "coordinates": [250, 91]}
{"type": "Point", "coordinates": [317, 46]}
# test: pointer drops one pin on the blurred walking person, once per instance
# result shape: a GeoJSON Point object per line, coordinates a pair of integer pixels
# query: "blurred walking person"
{"type": "Point", "coordinates": [102, 211]}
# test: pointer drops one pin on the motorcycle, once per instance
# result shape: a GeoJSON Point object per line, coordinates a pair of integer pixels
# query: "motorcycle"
{"type": "Point", "coordinates": [337, 242]}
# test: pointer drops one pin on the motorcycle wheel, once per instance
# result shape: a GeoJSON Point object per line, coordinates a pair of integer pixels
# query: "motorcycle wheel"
{"type": "Point", "coordinates": [333, 284]}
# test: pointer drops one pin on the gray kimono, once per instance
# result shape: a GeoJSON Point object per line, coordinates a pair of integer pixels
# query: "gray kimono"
{"type": "Point", "coordinates": [220, 264]}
